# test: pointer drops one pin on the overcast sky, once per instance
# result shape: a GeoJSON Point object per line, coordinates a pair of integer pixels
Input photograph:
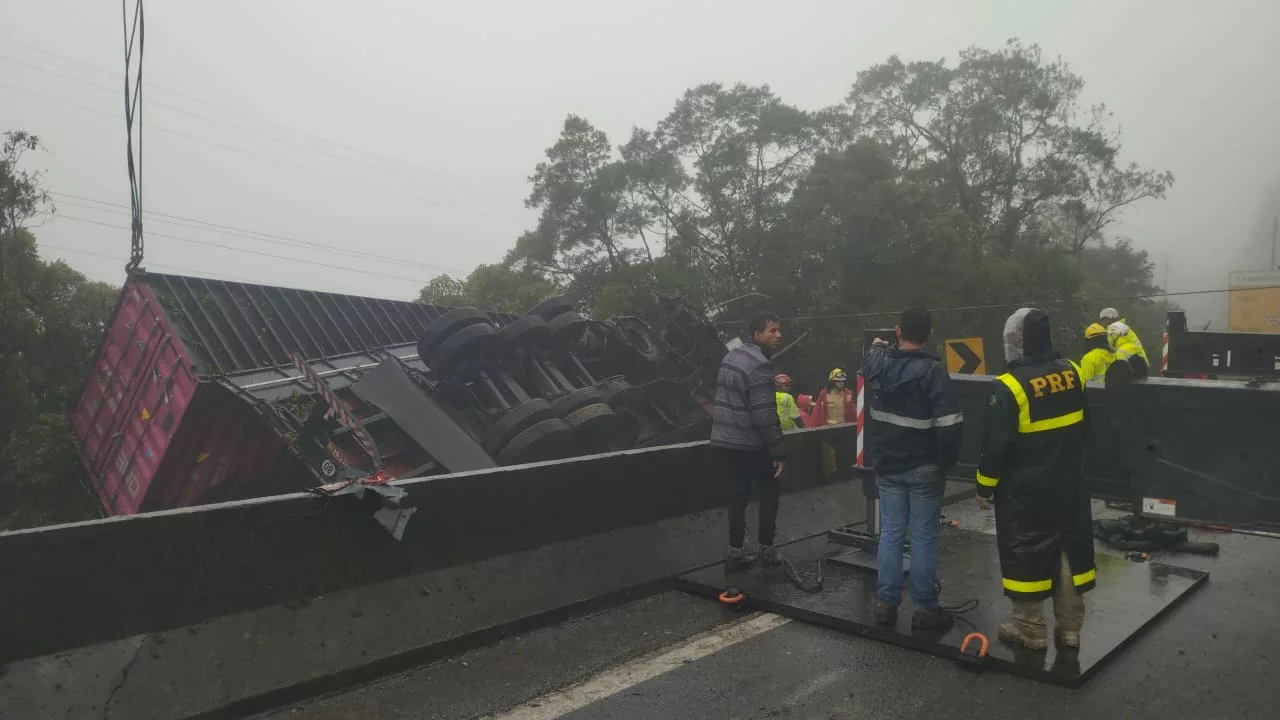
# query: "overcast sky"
{"type": "Point", "coordinates": [407, 129]}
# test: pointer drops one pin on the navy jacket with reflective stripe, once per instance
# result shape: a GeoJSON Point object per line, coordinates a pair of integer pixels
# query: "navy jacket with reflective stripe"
{"type": "Point", "coordinates": [914, 419]}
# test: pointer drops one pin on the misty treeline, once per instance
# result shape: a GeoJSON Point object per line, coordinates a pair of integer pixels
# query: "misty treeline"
{"type": "Point", "coordinates": [967, 185]}
{"type": "Point", "coordinates": [51, 321]}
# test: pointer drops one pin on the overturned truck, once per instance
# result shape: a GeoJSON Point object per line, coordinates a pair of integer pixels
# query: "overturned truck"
{"type": "Point", "coordinates": [206, 391]}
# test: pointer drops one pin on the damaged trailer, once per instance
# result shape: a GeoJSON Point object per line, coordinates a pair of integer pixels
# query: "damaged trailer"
{"type": "Point", "coordinates": [205, 391]}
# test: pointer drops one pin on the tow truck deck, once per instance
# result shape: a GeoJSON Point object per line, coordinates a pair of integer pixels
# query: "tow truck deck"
{"type": "Point", "coordinates": [1213, 656]}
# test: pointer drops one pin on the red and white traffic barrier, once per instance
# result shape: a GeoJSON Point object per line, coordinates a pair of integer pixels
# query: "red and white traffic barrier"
{"type": "Point", "coordinates": [1164, 355]}
{"type": "Point", "coordinates": [860, 418]}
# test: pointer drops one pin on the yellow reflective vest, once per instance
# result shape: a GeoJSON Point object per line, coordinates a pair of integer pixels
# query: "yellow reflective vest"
{"type": "Point", "coordinates": [1125, 342]}
{"type": "Point", "coordinates": [1094, 364]}
{"type": "Point", "coordinates": [788, 411]}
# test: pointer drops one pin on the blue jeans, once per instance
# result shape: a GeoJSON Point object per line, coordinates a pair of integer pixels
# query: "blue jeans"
{"type": "Point", "coordinates": [912, 498]}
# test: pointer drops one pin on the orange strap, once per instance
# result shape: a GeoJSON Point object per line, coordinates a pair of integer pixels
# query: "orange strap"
{"type": "Point", "coordinates": [982, 639]}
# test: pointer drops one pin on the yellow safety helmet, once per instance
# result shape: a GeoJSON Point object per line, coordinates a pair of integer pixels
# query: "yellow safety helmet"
{"type": "Point", "coordinates": [1094, 330]}
{"type": "Point", "coordinates": [837, 374]}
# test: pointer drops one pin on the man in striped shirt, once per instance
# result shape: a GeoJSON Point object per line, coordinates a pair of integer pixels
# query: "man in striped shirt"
{"type": "Point", "coordinates": [746, 432]}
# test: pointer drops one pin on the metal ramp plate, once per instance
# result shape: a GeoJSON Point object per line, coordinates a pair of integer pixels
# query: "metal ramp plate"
{"type": "Point", "coordinates": [1128, 599]}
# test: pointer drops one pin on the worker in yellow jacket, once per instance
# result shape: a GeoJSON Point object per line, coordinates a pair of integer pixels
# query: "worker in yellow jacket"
{"type": "Point", "coordinates": [789, 417]}
{"type": "Point", "coordinates": [1125, 342]}
{"type": "Point", "coordinates": [1098, 355]}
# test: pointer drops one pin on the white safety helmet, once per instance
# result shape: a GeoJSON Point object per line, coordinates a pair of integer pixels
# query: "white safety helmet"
{"type": "Point", "coordinates": [1116, 329]}
{"type": "Point", "coordinates": [1013, 328]}
{"type": "Point", "coordinates": [1109, 315]}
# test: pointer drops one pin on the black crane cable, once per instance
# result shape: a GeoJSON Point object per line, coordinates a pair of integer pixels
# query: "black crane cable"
{"type": "Point", "coordinates": [132, 117]}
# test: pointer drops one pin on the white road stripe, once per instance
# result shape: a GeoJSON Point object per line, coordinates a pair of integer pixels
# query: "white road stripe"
{"type": "Point", "coordinates": [617, 679]}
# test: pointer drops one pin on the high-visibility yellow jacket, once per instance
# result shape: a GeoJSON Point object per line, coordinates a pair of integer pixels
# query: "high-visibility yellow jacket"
{"type": "Point", "coordinates": [1094, 364]}
{"type": "Point", "coordinates": [1125, 341]}
{"type": "Point", "coordinates": [788, 411]}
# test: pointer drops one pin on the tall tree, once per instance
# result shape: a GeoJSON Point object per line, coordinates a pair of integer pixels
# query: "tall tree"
{"type": "Point", "coordinates": [584, 220]}
{"type": "Point", "coordinates": [1004, 133]}
{"type": "Point", "coordinates": [719, 169]}
{"type": "Point", "coordinates": [21, 194]}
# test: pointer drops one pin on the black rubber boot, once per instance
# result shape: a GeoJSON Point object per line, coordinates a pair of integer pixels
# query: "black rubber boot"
{"type": "Point", "coordinates": [767, 556]}
{"type": "Point", "coordinates": [886, 614]}
{"type": "Point", "coordinates": [931, 620]}
{"type": "Point", "coordinates": [738, 559]}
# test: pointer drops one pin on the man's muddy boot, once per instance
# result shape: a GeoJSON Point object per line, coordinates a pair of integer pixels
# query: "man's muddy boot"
{"type": "Point", "coordinates": [886, 614]}
{"type": "Point", "coordinates": [931, 620]}
{"type": "Point", "coordinates": [767, 556]}
{"type": "Point", "coordinates": [1068, 638]}
{"type": "Point", "coordinates": [1012, 632]}
{"type": "Point", "coordinates": [739, 559]}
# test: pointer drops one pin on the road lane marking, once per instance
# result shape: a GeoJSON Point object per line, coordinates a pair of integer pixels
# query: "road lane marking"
{"type": "Point", "coordinates": [628, 675]}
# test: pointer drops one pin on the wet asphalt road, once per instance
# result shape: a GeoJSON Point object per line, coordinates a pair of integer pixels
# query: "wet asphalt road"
{"type": "Point", "coordinates": [1217, 655]}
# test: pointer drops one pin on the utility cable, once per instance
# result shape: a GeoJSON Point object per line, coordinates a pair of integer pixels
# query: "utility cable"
{"type": "Point", "coordinates": [132, 114]}
{"type": "Point", "coordinates": [1037, 303]}
{"type": "Point", "coordinates": [233, 231]}
{"type": "Point", "coordinates": [344, 268]}
{"type": "Point", "coordinates": [450, 184]}
{"type": "Point", "coordinates": [266, 158]}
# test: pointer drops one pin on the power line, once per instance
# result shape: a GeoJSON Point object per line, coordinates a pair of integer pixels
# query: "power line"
{"type": "Point", "coordinates": [418, 281]}
{"type": "Point", "coordinates": [233, 231]}
{"type": "Point", "coordinates": [452, 186]}
{"type": "Point", "coordinates": [195, 273]}
{"type": "Point", "coordinates": [267, 158]}
{"type": "Point", "coordinates": [1037, 303]}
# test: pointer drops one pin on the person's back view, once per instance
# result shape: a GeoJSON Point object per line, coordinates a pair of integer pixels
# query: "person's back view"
{"type": "Point", "coordinates": [915, 431]}
{"type": "Point", "coordinates": [1033, 463]}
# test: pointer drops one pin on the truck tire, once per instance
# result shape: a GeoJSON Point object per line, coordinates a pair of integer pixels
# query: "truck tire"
{"type": "Point", "coordinates": [574, 399]}
{"type": "Point", "coordinates": [516, 419]}
{"type": "Point", "coordinates": [546, 440]}
{"type": "Point", "coordinates": [549, 309]}
{"type": "Point", "coordinates": [640, 338]}
{"type": "Point", "coordinates": [615, 392]}
{"type": "Point", "coordinates": [589, 417]}
{"type": "Point", "coordinates": [529, 331]}
{"type": "Point", "coordinates": [464, 344]}
{"type": "Point", "coordinates": [567, 328]}
{"type": "Point", "coordinates": [442, 327]}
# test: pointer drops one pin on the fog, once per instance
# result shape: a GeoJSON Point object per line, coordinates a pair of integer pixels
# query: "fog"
{"type": "Point", "coordinates": [407, 130]}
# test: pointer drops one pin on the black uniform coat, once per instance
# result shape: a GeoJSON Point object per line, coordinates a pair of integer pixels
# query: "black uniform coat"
{"type": "Point", "coordinates": [1033, 462]}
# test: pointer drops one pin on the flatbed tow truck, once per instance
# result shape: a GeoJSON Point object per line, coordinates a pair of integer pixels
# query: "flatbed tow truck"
{"type": "Point", "coordinates": [571, 588]}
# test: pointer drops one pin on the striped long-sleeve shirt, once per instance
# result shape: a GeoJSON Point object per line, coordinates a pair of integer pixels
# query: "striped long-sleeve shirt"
{"type": "Point", "coordinates": [745, 415]}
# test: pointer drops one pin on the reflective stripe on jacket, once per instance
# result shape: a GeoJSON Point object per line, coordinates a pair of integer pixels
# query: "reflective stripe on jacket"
{"type": "Point", "coordinates": [915, 418]}
{"type": "Point", "coordinates": [1033, 462]}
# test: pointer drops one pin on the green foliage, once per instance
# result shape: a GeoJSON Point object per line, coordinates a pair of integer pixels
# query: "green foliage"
{"type": "Point", "coordinates": [499, 288]}
{"type": "Point", "coordinates": [973, 188]}
{"type": "Point", "coordinates": [51, 321]}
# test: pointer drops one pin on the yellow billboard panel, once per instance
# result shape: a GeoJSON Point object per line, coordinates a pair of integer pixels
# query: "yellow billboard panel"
{"type": "Point", "coordinates": [1254, 302]}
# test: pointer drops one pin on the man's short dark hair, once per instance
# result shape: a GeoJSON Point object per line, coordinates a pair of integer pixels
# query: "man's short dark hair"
{"type": "Point", "coordinates": [760, 321]}
{"type": "Point", "coordinates": [916, 323]}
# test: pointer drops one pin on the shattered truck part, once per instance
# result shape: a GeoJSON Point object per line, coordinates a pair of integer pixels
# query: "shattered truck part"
{"type": "Point", "coordinates": [195, 396]}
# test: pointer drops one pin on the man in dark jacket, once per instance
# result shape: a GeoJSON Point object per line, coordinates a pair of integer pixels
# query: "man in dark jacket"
{"type": "Point", "coordinates": [1033, 463]}
{"type": "Point", "coordinates": [914, 434]}
{"type": "Point", "coordinates": [746, 432]}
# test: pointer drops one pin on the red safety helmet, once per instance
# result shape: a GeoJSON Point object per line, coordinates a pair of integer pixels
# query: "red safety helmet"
{"type": "Point", "coordinates": [782, 379]}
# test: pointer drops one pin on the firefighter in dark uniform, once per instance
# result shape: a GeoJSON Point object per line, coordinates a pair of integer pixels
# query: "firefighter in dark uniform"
{"type": "Point", "coordinates": [1033, 463]}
